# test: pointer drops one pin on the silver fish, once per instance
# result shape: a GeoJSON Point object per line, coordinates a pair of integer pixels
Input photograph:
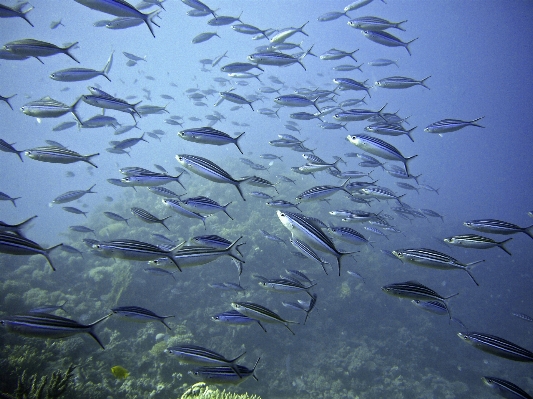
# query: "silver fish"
{"type": "Point", "coordinates": [47, 107]}
{"type": "Point", "coordinates": [36, 48]}
{"type": "Point", "coordinates": [73, 195]}
{"type": "Point", "coordinates": [497, 346]}
{"type": "Point", "coordinates": [46, 325]}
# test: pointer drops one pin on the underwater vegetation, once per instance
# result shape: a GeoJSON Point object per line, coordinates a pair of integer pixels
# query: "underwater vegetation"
{"type": "Point", "coordinates": [201, 391]}
{"type": "Point", "coordinates": [44, 388]}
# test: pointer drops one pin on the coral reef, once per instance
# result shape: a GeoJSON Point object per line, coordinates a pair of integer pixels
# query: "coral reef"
{"type": "Point", "coordinates": [201, 390]}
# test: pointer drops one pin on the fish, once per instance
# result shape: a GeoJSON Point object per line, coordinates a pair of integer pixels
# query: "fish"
{"type": "Point", "coordinates": [379, 148]}
{"type": "Point", "coordinates": [134, 250]}
{"type": "Point", "coordinates": [434, 259]}
{"type": "Point", "coordinates": [347, 234]}
{"type": "Point", "coordinates": [494, 226]}
{"type": "Point", "coordinates": [194, 354]}
{"type": "Point", "coordinates": [80, 74]}
{"type": "Point", "coordinates": [414, 290]}
{"type": "Point", "coordinates": [199, 6]}
{"type": "Point", "coordinates": [17, 245]}
{"type": "Point", "coordinates": [308, 231]}
{"type": "Point", "coordinates": [475, 241]}
{"type": "Point", "coordinates": [284, 34]}
{"type": "Point", "coordinates": [523, 316]}
{"type": "Point", "coordinates": [47, 107]}
{"type": "Point", "coordinates": [117, 217]}
{"type": "Point", "coordinates": [235, 318]}
{"type": "Point", "coordinates": [175, 205]}
{"type": "Point", "coordinates": [205, 205]}
{"type": "Point", "coordinates": [120, 8]}
{"type": "Point", "coordinates": [203, 37]}
{"type": "Point", "coordinates": [37, 48]}
{"type": "Point", "coordinates": [5, 197]}
{"type": "Point", "coordinates": [136, 313]}
{"type": "Point", "coordinates": [335, 54]}
{"type": "Point", "coordinates": [16, 11]}
{"type": "Point", "coordinates": [277, 58]}
{"type": "Point", "coordinates": [208, 135]}
{"type": "Point", "coordinates": [505, 388]}
{"type": "Point", "coordinates": [150, 179]}
{"type": "Point", "coordinates": [450, 125]}
{"type": "Point", "coordinates": [308, 252]}
{"type": "Point", "coordinates": [189, 256]}
{"type": "Point", "coordinates": [209, 170]}
{"type": "Point", "coordinates": [223, 374]}
{"type": "Point", "coordinates": [400, 82]}
{"type": "Point", "coordinates": [261, 313]}
{"type": "Point", "coordinates": [48, 308]}
{"type": "Point", "coordinates": [82, 229]}
{"type": "Point", "coordinates": [73, 195]}
{"type": "Point", "coordinates": [74, 210]}
{"type": "Point", "coordinates": [380, 62]}
{"type": "Point", "coordinates": [148, 217]}
{"type": "Point", "coordinates": [46, 325]}
{"type": "Point", "coordinates": [386, 39]}
{"type": "Point", "coordinates": [436, 307]}
{"type": "Point", "coordinates": [497, 346]}
{"type": "Point", "coordinates": [235, 98]}
{"type": "Point", "coordinates": [54, 154]}
{"type": "Point", "coordinates": [119, 372]}
{"type": "Point", "coordinates": [374, 24]}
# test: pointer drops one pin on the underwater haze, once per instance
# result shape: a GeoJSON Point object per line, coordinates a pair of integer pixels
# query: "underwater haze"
{"type": "Point", "coordinates": [357, 341]}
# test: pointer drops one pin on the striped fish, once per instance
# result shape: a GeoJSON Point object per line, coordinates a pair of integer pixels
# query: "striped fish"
{"type": "Point", "coordinates": [236, 318]}
{"type": "Point", "coordinates": [188, 256]}
{"type": "Point", "coordinates": [450, 125]}
{"type": "Point", "coordinates": [379, 148]}
{"type": "Point", "coordinates": [400, 82]}
{"type": "Point", "coordinates": [117, 217]}
{"type": "Point", "coordinates": [497, 346]}
{"type": "Point", "coordinates": [437, 307]}
{"type": "Point", "coordinates": [223, 374]}
{"type": "Point", "coordinates": [235, 98]}
{"type": "Point", "coordinates": [349, 235]}
{"type": "Point", "coordinates": [321, 192]}
{"type": "Point", "coordinates": [194, 354]}
{"type": "Point", "coordinates": [374, 23]}
{"type": "Point", "coordinates": [121, 8]}
{"type": "Point", "coordinates": [414, 290]}
{"type": "Point", "coordinates": [136, 313]}
{"type": "Point", "coordinates": [147, 217]}
{"type": "Point", "coordinates": [381, 193]}
{"type": "Point", "coordinates": [208, 135]}
{"type": "Point", "coordinates": [308, 252]}
{"type": "Point", "coordinates": [282, 204]}
{"type": "Point", "coordinates": [260, 182]}
{"type": "Point", "coordinates": [37, 48]}
{"type": "Point", "coordinates": [133, 250]}
{"type": "Point", "coordinates": [54, 154]}
{"type": "Point", "coordinates": [505, 388]}
{"type": "Point", "coordinates": [308, 231]}
{"type": "Point", "coordinates": [163, 191]}
{"type": "Point", "coordinates": [357, 114]}
{"type": "Point", "coordinates": [175, 205]}
{"type": "Point", "coordinates": [389, 129]}
{"type": "Point", "coordinates": [151, 179]}
{"type": "Point", "coordinates": [72, 195]}
{"type": "Point", "coordinates": [475, 241]}
{"type": "Point", "coordinates": [276, 58]}
{"type": "Point", "coordinates": [45, 325]}
{"type": "Point", "coordinates": [386, 39]}
{"type": "Point", "coordinates": [434, 259]}
{"type": "Point", "coordinates": [209, 170]}
{"type": "Point", "coordinates": [285, 285]}
{"type": "Point", "coordinates": [206, 205]}
{"type": "Point", "coordinates": [494, 226]}
{"type": "Point", "coordinates": [17, 245]}
{"type": "Point", "coordinates": [351, 84]}
{"type": "Point", "coordinates": [261, 313]}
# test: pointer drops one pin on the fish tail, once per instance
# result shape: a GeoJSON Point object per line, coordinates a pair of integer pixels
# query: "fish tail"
{"type": "Point", "coordinates": [13, 201]}
{"type": "Point", "coordinates": [406, 163]}
{"type": "Point", "coordinates": [502, 245]}
{"type": "Point", "coordinates": [409, 135]}
{"type": "Point", "coordinates": [529, 231]}
{"type": "Point", "coordinates": [237, 141]}
{"type": "Point", "coordinates": [73, 111]}
{"type": "Point", "coordinates": [408, 43]}
{"type": "Point", "coordinates": [6, 100]}
{"type": "Point", "coordinates": [163, 222]}
{"type": "Point", "coordinates": [473, 123]}
{"type": "Point", "coordinates": [23, 13]}
{"type": "Point", "coordinates": [90, 189]}
{"type": "Point", "coordinates": [423, 84]}
{"type": "Point", "coordinates": [87, 159]}
{"type": "Point", "coordinates": [302, 27]}
{"type": "Point", "coordinates": [451, 296]}
{"type": "Point", "coordinates": [400, 27]}
{"type": "Point", "coordinates": [93, 334]}
{"type": "Point", "coordinates": [47, 256]}
{"type": "Point", "coordinates": [148, 20]}
{"type": "Point", "coordinates": [25, 223]}
{"type": "Point", "coordinates": [234, 247]}
{"type": "Point", "coordinates": [107, 67]}
{"type": "Point", "coordinates": [66, 51]}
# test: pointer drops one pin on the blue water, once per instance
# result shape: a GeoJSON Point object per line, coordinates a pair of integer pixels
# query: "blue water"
{"type": "Point", "coordinates": [360, 343]}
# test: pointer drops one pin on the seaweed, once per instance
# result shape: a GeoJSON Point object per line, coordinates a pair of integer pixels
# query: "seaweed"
{"type": "Point", "coordinates": [34, 388]}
